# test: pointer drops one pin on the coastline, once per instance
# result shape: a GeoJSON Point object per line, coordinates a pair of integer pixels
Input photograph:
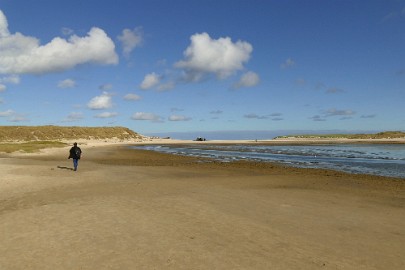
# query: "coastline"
{"type": "Point", "coordinates": [290, 141]}
{"type": "Point", "coordinates": [127, 209]}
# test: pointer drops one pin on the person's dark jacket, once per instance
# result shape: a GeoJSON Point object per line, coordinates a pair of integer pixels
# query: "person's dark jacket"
{"type": "Point", "coordinates": [73, 152]}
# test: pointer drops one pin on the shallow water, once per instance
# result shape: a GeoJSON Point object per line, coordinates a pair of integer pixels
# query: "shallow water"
{"type": "Point", "coordinates": [375, 159]}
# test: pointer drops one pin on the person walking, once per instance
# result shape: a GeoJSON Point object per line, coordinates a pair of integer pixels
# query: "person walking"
{"type": "Point", "coordinates": [75, 153]}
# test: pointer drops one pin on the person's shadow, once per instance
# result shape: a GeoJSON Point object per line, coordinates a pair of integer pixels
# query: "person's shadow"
{"type": "Point", "coordinates": [65, 168]}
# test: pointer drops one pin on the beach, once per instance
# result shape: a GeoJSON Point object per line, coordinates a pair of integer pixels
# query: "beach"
{"type": "Point", "coordinates": [136, 209]}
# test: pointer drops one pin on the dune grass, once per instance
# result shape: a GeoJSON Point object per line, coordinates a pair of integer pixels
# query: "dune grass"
{"type": "Point", "coordinates": [29, 147]}
{"type": "Point", "coordinates": [58, 133]}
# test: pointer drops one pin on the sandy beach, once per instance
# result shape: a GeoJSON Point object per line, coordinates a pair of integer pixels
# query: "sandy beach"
{"type": "Point", "coordinates": [134, 209]}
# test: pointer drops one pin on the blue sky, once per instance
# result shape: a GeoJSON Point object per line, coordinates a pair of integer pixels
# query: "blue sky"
{"type": "Point", "coordinates": [189, 66]}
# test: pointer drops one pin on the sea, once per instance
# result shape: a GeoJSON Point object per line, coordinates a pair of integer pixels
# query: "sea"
{"type": "Point", "coordinates": [374, 159]}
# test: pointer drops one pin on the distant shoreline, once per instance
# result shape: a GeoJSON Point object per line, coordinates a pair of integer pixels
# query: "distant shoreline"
{"type": "Point", "coordinates": [289, 141]}
{"type": "Point", "coordinates": [157, 141]}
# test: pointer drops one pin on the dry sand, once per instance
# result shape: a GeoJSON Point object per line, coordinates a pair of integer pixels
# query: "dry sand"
{"type": "Point", "coordinates": [133, 209]}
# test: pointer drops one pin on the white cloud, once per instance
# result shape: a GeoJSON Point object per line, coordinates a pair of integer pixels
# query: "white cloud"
{"type": "Point", "coordinates": [68, 83]}
{"type": "Point", "coordinates": [8, 112]}
{"type": "Point", "coordinates": [74, 116]}
{"type": "Point", "coordinates": [2, 87]}
{"type": "Point", "coordinates": [21, 54]}
{"type": "Point", "coordinates": [221, 57]}
{"type": "Point", "coordinates": [106, 115]}
{"type": "Point", "coordinates": [166, 86]}
{"type": "Point", "coordinates": [248, 79]}
{"type": "Point", "coordinates": [130, 39]}
{"type": "Point", "coordinates": [335, 112]}
{"type": "Point", "coordinates": [179, 118]}
{"type": "Point", "coordinates": [14, 79]}
{"type": "Point", "coordinates": [101, 102]}
{"type": "Point", "coordinates": [3, 25]}
{"type": "Point", "coordinates": [368, 116]}
{"type": "Point", "coordinates": [13, 116]}
{"type": "Point", "coordinates": [146, 116]}
{"type": "Point", "coordinates": [18, 118]}
{"type": "Point", "coordinates": [150, 81]}
{"type": "Point", "coordinates": [132, 97]}
{"type": "Point", "coordinates": [255, 116]}
{"type": "Point", "coordinates": [317, 118]}
{"type": "Point", "coordinates": [287, 64]}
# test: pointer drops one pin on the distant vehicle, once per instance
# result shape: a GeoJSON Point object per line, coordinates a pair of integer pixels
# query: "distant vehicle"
{"type": "Point", "coordinates": [200, 139]}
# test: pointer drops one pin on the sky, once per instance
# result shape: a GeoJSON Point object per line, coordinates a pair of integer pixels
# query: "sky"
{"type": "Point", "coordinates": [184, 66]}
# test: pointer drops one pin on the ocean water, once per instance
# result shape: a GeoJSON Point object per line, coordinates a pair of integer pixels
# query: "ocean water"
{"type": "Point", "coordinates": [375, 159]}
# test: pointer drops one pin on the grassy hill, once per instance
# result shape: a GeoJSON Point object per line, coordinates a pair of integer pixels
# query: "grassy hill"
{"type": "Point", "coordinates": [380, 135]}
{"type": "Point", "coordinates": [57, 133]}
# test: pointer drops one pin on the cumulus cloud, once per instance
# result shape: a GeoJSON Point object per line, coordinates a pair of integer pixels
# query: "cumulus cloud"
{"type": "Point", "coordinates": [106, 115]}
{"type": "Point", "coordinates": [2, 87]}
{"type": "Point", "coordinates": [166, 86]}
{"type": "Point", "coordinates": [368, 116]}
{"type": "Point", "coordinates": [130, 39]}
{"type": "Point", "coordinates": [132, 97]}
{"type": "Point", "coordinates": [68, 83]}
{"type": "Point", "coordinates": [151, 80]}
{"type": "Point", "coordinates": [13, 116]}
{"type": "Point", "coordinates": [7, 113]}
{"type": "Point", "coordinates": [220, 57]}
{"type": "Point", "coordinates": [272, 116]}
{"type": "Point", "coordinates": [344, 114]}
{"type": "Point", "coordinates": [317, 118]}
{"type": "Point", "coordinates": [179, 118]}
{"type": "Point", "coordinates": [255, 116]}
{"type": "Point", "coordinates": [74, 116]}
{"type": "Point", "coordinates": [287, 64]}
{"type": "Point", "coordinates": [3, 25]}
{"type": "Point", "coordinates": [146, 116]}
{"type": "Point", "coordinates": [18, 118]}
{"type": "Point", "coordinates": [336, 112]}
{"type": "Point", "coordinates": [101, 102]}
{"type": "Point", "coordinates": [248, 79]}
{"type": "Point", "coordinates": [21, 54]}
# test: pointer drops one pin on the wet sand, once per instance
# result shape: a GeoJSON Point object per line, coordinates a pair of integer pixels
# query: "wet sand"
{"type": "Point", "coordinates": [133, 209]}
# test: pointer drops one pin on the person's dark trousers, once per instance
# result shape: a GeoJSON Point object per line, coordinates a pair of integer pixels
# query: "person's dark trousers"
{"type": "Point", "coordinates": [75, 163]}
